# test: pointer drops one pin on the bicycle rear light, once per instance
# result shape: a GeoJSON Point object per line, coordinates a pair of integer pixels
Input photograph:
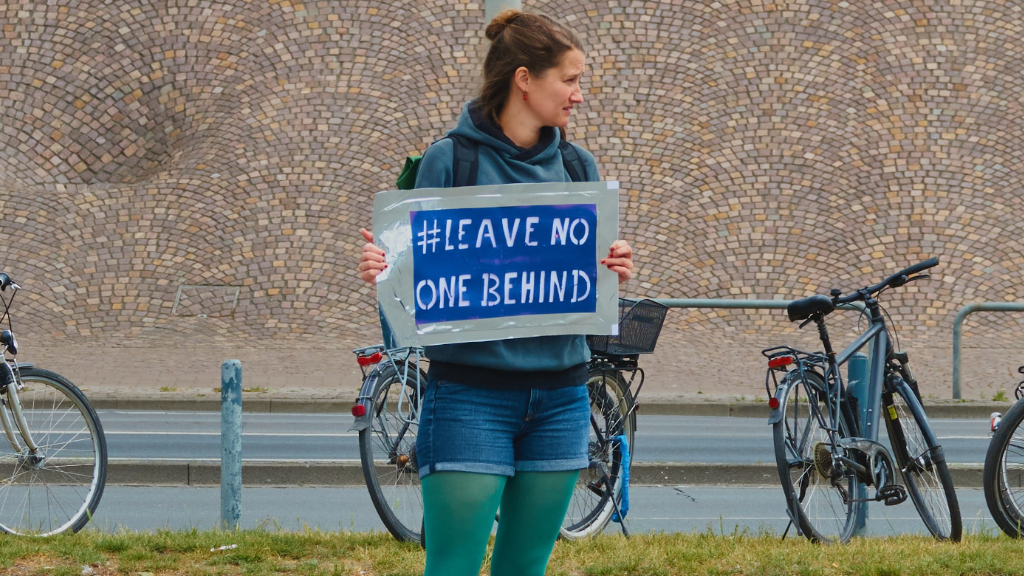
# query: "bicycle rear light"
{"type": "Point", "coordinates": [359, 410]}
{"type": "Point", "coordinates": [369, 360]}
{"type": "Point", "coordinates": [780, 361]}
{"type": "Point", "coordinates": [773, 403]}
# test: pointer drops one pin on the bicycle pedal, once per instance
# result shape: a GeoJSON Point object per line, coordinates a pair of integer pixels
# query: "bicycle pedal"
{"type": "Point", "coordinates": [891, 494]}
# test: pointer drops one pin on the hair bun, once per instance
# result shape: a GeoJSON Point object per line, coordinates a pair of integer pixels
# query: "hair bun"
{"type": "Point", "coordinates": [500, 22]}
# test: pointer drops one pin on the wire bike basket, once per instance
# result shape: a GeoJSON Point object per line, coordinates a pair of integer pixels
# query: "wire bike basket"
{"type": "Point", "coordinates": [640, 324]}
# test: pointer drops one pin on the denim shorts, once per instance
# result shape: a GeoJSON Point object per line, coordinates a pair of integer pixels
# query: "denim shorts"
{"type": "Point", "coordinates": [472, 429]}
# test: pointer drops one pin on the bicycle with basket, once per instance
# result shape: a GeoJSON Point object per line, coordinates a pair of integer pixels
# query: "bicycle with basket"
{"type": "Point", "coordinates": [387, 414]}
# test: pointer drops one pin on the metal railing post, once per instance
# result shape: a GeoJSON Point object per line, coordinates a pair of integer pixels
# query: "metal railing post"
{"type": "Point", "coordinates": [958, 331]}
{"type": "Point", "coordinates": [494, 7]}
{"type": "Point", "coordinates": [231, 444]}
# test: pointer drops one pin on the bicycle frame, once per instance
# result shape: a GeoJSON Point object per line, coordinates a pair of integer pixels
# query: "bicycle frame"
{"type": "Point", "coordinates": [13, 404]}
{"type": "Point", "coordinates": [876, 375]}
{"type": "Point", "coordinates": [368, 389]}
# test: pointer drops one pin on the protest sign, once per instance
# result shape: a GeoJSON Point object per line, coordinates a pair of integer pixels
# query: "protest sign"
{"type": "Point", "coordinates": [491, 262]}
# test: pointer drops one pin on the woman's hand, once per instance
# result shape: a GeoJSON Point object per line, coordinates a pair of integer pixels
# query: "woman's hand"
{"type": "Point", "coordinates": [371, 261]}
{"type": "Point", "coordinates": [620, 260]}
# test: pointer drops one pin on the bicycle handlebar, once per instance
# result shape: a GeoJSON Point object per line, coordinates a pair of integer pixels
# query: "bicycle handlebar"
{"type": "Point", "coordinates": [898, 279]}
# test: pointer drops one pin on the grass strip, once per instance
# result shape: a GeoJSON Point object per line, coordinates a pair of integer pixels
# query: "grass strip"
{"type": "Point", "coordinates": [311, 552]}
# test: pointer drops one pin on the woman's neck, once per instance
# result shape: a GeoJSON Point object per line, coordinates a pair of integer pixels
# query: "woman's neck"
{"type": "Point", "coordinates": [519, 125]}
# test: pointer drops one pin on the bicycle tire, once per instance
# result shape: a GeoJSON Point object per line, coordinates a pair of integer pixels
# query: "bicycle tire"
{"type": "Point", "coordinates": [392, 476]}
{"type": "Point", "coordinates": [612, 414]}
{"type": "Point", "coordinates": [922, 463]}
{"type": "Point", "coordinates": [65, 427]}
{"type": "Point", "coordinates": [1005, 503]}
{"type": "Point", "coordinates": [820, 509]}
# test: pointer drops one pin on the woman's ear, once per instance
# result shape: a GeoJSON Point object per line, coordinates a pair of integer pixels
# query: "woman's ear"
{"type": "Point", "coordinates": [522, 79]}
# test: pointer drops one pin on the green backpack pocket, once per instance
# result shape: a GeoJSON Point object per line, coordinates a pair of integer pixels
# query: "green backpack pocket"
{"type": "Point", "coordinates": [407, 179]}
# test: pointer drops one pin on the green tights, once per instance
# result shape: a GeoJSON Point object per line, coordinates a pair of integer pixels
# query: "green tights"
{"type": "Point", "coordinates": [459, 508]}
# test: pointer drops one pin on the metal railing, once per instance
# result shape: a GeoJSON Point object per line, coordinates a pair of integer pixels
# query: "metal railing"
{"type": "Point", "coordinates": [958, 331]}
{"type": "Point", "coordinates": [782, 304]}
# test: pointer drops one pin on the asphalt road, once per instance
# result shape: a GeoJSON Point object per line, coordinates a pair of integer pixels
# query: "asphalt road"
{"type": "Point", "coordinates": [305, 437]}
{"type": "Point", "coordinates": [719, 509]}
{"type": "Point", "coordinates": [325, 437]}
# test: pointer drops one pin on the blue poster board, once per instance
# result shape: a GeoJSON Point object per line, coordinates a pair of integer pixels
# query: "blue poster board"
{"type": "Point", "coordinates": [473, 263]}
{"type": "Point", "coordinates": [491, 262]}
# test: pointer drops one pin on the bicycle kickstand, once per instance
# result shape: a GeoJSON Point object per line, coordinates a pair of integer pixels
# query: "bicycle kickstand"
{"type": "Point", "coordinates": [615, 503]}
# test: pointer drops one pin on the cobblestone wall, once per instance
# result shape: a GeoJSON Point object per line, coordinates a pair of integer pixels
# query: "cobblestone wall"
{"type": "Point", "coordinates": [151, 150]}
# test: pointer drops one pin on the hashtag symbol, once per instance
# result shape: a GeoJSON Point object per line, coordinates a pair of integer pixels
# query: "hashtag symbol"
{"type": "Point", "coordinates": [429, 236]}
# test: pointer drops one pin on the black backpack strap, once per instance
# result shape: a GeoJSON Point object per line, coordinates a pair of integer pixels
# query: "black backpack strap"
{"type": "Point", "coordinates": [572, 162]}
{"type": "Point", "coordinates": [465, 161]}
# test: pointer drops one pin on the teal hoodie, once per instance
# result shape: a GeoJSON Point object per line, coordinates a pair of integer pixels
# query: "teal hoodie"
{"type": "Point", "coordinates": [503, 162]}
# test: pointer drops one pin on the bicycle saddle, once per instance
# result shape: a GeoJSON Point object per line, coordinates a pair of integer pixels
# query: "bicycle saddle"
{"type": "Point", "coordinates": [806, 307]}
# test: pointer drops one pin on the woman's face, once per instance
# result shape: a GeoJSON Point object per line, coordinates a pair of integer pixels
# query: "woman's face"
{"type": "Point", "coordinates": [552, 95]}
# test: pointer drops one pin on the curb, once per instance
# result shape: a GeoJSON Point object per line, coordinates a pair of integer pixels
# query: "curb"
{"type": "Point", "coordinates": [964, 410]}
{"type": "Point", "coordinates": [258, 405]}
{"type": "Point", "coordinates": [350, 473]}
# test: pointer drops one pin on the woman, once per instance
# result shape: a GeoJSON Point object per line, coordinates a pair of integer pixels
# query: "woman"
{"type": "Point", "coordinates": [506, 422]}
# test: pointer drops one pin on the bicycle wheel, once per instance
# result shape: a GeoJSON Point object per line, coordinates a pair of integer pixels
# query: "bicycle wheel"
{"type": "Point", "coordinates": [920, 457]}
{"type": "Point", "coordinates": [387, 449]}
{"type": "Point", "coordinates": [58, 488]}
{"type": "Point", "coordinates": [822, 506]}
{"type": "Point", "coordinates": [1004, 473]}
{"type": "Point", "coordinates": [591, 507]}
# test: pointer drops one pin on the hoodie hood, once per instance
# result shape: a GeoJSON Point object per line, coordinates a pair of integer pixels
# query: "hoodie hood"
{"type": "Point", "coordinates": [475, 126]}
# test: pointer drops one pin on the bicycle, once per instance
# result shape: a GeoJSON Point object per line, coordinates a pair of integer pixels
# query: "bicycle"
{"type": "Point", "coordinates": [53, 477]}
{"type": "Point", "coordinates": [602, 490]}
{"type": "Point", "coordinates": [1003, 475]}
{"type": "Point", "coordinates": [826, 456]}
{"type": "Point", "coordinates": [387, 416]}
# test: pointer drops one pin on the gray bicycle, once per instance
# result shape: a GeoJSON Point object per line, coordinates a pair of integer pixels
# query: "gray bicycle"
{"type": "Point", "coordinates": [827, 456]}
{"type": "Point", "coordinates": [387, 417]}
{"type": "Point", "coordinates": [54, 469]}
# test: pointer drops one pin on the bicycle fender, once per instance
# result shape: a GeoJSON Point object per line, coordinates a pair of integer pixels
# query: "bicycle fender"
{"type": "Point", "coordinates": [365, 399]}
{"type": "Point", "coordinates": [780, 393]}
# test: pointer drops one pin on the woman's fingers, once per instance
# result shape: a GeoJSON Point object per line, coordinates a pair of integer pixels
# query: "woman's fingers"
{"type": "Point", "coordinates": [622, 267]}
{"type": "Point", "coordinates": [620, 249]}
{"type": "Point", "coordinates": [369, 276]}
{"type": "Point", "coordinates": [371, 252]}
{"type": "Point", "coordinates": [371, 265]}
{"type": "Point", "coordinates": [369, 270]}
{"type": "Point", "coordinates": [372, 261]}
{"type": "Point", "coordinates": [620, 260]}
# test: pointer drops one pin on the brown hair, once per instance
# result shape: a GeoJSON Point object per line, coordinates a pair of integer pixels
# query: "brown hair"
{"type": "Point", "coordinates": [520, 39]}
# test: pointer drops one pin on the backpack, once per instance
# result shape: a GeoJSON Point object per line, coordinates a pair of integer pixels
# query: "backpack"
{"type": "Point", "coordinates": [465, 163]}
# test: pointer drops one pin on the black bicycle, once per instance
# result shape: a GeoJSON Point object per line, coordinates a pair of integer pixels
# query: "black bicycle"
{"type": "Point", "coordinates": [1004, 468]}
{"type": "Point", "coordinates": [602, 491]}
{"type": "Point", "coordinates": [827, 455]}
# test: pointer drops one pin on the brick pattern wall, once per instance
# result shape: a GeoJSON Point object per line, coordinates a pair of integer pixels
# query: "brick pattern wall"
{"type": "Point", "coordinates": [764, 150]}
